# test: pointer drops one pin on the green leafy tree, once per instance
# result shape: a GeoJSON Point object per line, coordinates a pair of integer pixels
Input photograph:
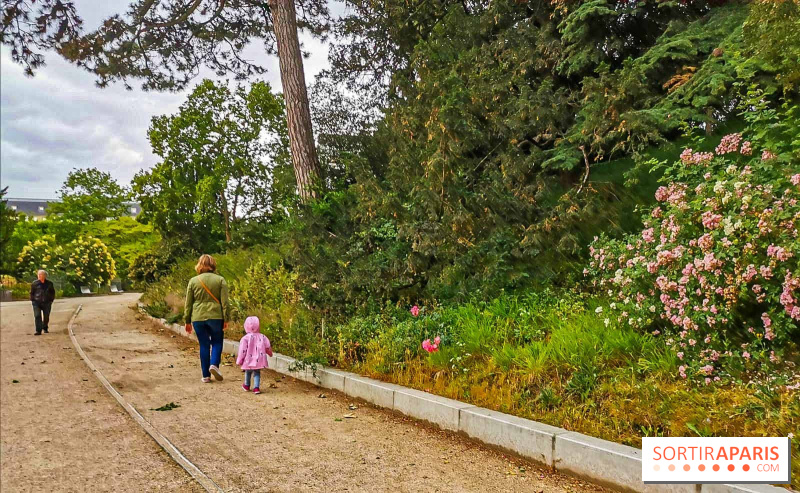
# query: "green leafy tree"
{"type": "Point", "coordinates": [8, 222]}
{"type": "Point", "coordinates": [507, 129]}
{"type": "Point", "coordinates": [224, 156]}
{"type": "Point", "coordinates": [89, 195]}
{"type": "Point", "coordinates": [771, 34]}
{"type": "Point", "coordinates": [126, 239]}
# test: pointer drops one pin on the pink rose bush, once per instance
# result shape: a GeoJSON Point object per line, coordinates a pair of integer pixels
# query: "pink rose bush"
{"type": "Point", "coordinates": [715, 269]}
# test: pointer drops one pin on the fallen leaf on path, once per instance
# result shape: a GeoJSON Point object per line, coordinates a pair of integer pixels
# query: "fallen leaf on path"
{"type": "Point", "coordinates": [352, 407]}
{"type": "Point", "coordinates": [337, 419]}
{"type": "Point", "coordinates": [322, 396]}
{"type": "Point", "coordinates": [273, 386]}
{"type": "Point", "coordinates": [167, 407]}
{"type": "Point", "coordinates": [349, 415]}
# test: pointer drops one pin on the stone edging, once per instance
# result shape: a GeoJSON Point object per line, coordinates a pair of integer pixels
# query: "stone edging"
{"type": "Point", "coordinates": [603, 462]}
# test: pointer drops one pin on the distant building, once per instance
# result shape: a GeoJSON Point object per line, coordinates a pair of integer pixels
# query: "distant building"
{"type": "Point", "coordinates": [37, 208]}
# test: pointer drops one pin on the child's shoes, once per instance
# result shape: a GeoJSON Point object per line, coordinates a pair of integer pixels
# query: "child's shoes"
{"type": "Point", "coordinates": [246, 388]}
{"type": "Point", "coordinates": [256, 390]}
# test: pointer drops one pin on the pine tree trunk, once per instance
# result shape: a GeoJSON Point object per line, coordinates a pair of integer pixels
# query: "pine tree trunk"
{"type": "Point", "coordinates": [301, 136]}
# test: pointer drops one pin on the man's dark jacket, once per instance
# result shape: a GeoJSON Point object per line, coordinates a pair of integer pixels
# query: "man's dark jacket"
{"type": "Point", "coordinates": [43, 292]}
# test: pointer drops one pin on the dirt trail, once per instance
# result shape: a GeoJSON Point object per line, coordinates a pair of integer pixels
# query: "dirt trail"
{"type": "Point", "coordinates": [59, 428]}
{"type": "Point", "coordinates": [286, 439]}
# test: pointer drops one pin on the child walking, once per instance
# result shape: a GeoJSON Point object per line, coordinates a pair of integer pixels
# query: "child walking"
{"type": "Point", "coordinates": [253, 350]}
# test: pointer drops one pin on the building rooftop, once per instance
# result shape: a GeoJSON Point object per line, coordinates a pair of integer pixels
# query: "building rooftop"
{"type": "Point", "coordinates": [38, 207]}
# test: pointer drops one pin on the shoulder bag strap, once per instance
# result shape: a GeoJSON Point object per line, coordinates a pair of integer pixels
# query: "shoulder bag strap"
{"type": "Point", "coordinates": [209, 291]}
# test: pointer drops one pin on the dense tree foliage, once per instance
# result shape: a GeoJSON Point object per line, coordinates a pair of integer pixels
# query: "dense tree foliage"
{"type": "Point", "coordinates": [507, 128]}
{"type": "Point", "coordinates": [8, 222]}
{"type": "Point", "coordinates": [224, 163]}
{"type": "Point", "coordinates": [90, 195]}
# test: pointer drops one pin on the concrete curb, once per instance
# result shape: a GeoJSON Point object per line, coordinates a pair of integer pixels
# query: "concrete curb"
{"type": "Point", "coordinates": [607, 463]}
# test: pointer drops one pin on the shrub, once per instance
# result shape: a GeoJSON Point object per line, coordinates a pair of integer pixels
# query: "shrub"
{"type": "Point", "coordinates": [715, 269]}
{"type": "Point", "coordinates": [150, 266]}
{"type": "Point", "coordinates": [88, 261]}
{"type": "Point", "coordinates": [7, 281]}
{"type": "Point", "coordinates": [21, 291]}
{"type": "Point", "coordinates": [39, 254]}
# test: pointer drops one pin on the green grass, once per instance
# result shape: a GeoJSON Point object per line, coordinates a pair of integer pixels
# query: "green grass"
{"type": "Point", "coordinates": [545, 355]}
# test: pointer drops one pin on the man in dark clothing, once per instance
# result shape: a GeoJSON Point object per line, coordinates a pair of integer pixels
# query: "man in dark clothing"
{"type": "Point", "coordinates": [42, 295]}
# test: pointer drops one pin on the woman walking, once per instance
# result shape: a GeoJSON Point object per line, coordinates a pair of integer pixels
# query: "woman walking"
{"type": "Point", "coordinates": [206, 312]}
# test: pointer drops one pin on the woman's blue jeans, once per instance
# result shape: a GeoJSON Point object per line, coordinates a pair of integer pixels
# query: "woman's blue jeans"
{"type": "Point", "coordinates": [210, 336]}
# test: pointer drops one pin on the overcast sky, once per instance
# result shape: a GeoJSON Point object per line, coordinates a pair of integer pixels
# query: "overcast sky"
{"type": "Point", "coordinates": [59, 120]}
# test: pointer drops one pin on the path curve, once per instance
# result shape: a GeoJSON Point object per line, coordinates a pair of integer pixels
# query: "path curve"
{"type": "Point", "coordinates": [293, 437]}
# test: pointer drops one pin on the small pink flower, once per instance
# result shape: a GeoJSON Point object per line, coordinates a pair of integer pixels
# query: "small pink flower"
{"type": "Point", "coordinates": [767, 155]}
{"type": "Point", "coordinates": [747, 148]}
{"type": "Point", "coordinates": [711, 220]}
{"type": "Point", "coordinates": [729, 143]}
{"type": "Point", "coordinates": [431, 348]}
{"type": "Point", "coordinates": [746, 355]}
{"type": "Point", "coordinates": [414, 310]}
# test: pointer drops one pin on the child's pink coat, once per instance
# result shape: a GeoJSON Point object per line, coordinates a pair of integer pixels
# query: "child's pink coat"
{"type": "Point", "coordinates": [253, 348]}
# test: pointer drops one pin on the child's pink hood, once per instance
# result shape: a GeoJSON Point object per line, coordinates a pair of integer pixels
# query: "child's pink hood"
{"type": "Point", "coordinates": [254, 347]}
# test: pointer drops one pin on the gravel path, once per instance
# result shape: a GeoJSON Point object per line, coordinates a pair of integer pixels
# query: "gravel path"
{"type": "Point", "coordinates": [60, 429]}
{"type": "Point", "coordinates": [292, 437]}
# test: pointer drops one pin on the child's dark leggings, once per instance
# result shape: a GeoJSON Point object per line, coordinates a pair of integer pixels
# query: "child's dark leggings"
{"type": "Point", "coordinates": [256, 377]}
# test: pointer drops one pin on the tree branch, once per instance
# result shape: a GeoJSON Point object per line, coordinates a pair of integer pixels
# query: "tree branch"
{"type": "Point", "coordinates": [586, 176]}
{"type": "Point", "coordinates": [179, 20]}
